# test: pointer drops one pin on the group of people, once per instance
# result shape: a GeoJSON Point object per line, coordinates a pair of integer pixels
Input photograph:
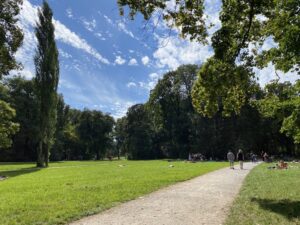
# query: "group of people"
{"type": "Point", "coordinates": [196, 157]}
{"type": "Point", "coordinates": [240, 158]}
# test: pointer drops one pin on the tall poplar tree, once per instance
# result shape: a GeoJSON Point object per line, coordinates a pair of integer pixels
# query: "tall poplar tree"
{"type": "Point", "coordinates": [47, 76]}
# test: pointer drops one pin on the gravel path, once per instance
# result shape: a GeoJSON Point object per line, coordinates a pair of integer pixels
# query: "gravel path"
{"type": "Point", "coordinates": [202, 200]}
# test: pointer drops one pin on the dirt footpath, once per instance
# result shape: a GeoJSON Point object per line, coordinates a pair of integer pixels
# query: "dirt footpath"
{"type": "Point", "coordinates": [202, 200]}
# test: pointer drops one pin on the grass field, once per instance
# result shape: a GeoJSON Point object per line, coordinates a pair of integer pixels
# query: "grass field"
{"type": "Point", "coordinates": [67, 191]}
{"type": "Point", "coordinates": [268, 197]}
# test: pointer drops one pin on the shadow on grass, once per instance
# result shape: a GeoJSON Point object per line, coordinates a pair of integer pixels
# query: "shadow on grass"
{"type": "Point", "coordinates": [18, 172]}
{"type": "Point", "coordinates": [285, 207]}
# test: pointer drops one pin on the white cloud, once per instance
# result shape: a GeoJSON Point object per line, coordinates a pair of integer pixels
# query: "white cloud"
{"type": "Point", "coordinates": [120, 25]}
{"type": "Point", "coordinates": [100, 36]}
{"type": "Point", "coordinates": [261, 18]}
{"type": "Point", "coordinates": [123, 28]}
{"type": "Point", "coordinates": [108, 20]}
{"type": "Point", "coordinates": [212, 9]}
{"type": "Point", "coordinates": [28, 16]}
{"type": "Point", "coordinates": [133, 62]}
{"type": "Point", "coordinates": [64, 54]}
{"type": "Point", "coordinates": [268, 74]}
{"type": "Point", "coordinates": [120, 108]}
{"type": "Point", "coordinates": [131, 84]}
{"type": "Point", "coordinates": [175, 52]}
{"type": "Point", "coordinates": [27, 73]}
{"type": "Point", "coordinates": [153, 78]}
{"type": "Point", "coordinates": [89, 25]}
{"type": "Point", "coordinates": [65, 35]}
{"type": "Point", "coordinates": [119, 60]}
{"type": "Point", "coordinates": [69, 13]}
{"type": "Point", "coordinates": [145, 60]}
{"type": "Point", "coordinates": [268, 44]}
{"type": "Point", "coordinates": [27, 19]}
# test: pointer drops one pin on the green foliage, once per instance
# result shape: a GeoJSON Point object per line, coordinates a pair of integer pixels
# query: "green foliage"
{"type": "Point", "coordinates": [283, 24]}
{"type": "Point", "coordinates": [21, 94]}
{"type": "Point", "coordinates": [7, 127]}
{"type": "Point", "coordinates": [67, 191]}
{"type": "Point", "coordinates": [223, 80]}
{"type": "Point", "coordinates": [188, 15]}
{"type": "Point", "coordinates": [176, 129]}
{"type": "Point", "coordinates": [138, 139]}
{"type": "Point", "coordinates": [120, 135]}
{"type": "Point", "coordinates": [47, 76]}
{"type": "Point", "coordinates": [94, 131]}
{"type": "Point", "coordinates": [63, 123]}
{"type": "Point", "coordinates": [283, 103]}
{"type": "Point", "coordinates": [11, 36]}
{"type": "Point", "coordinates": [172, 111]}
{"type": "Point", "coordinates": [214, 88]}
{"type": "Point", "coordinates": [22, 97]}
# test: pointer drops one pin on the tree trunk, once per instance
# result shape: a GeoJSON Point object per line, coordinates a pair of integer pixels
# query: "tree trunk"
{"type": "Point", "coordinates": [46, 154]}
{"type": "Point", "coordinates": [40, 156]}
{"type": "Point", "coordinates": [97, 155]}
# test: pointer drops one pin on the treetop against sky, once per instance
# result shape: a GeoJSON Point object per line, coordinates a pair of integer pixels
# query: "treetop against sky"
{"type": "Point", "coordinates": [109, 62]}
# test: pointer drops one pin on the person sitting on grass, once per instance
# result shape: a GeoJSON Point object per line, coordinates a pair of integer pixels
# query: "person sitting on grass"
{"type": "Point", "coordinates": [230, 157]}
{"type": "Point", "coordinates": [240, 157]}
{"type": "Point", "coordinates": [282, 165]}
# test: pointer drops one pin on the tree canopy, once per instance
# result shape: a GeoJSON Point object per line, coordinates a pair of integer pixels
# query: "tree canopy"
{"type": "Point", "coordinates": [94, 130]}
{"type": "Point", "coordinates": [282, 102]}
{"type": "Point", "coordinates": [167, 125]}
{"type": "Point", "coordinates": [11, 36]}
{"type": "Point", "coordinates": [245, 24]}
{"type": "Point", "coordinates": [7, 127]}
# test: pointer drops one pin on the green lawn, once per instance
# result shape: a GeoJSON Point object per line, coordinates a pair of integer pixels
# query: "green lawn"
{"type": "Point", "coordinates": [67, 191]}
{"type": "Point", "coordinates": [268, 197]}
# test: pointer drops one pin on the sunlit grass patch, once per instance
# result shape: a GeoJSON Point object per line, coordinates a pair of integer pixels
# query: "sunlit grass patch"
{"type": "Point", "coordinates": [70, 190]}
{"type": "Point", "coordinates": [268, 196]}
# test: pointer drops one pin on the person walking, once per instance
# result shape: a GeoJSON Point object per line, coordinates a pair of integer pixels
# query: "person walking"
{"type": "Point", "coordinates": [240, 158]}
{"type": "Point", "coordinates": [266, 157]}
{"type": "Point", "coordinates": [230, 157]}
{"type": "Point", "coordinates": [262, 155]}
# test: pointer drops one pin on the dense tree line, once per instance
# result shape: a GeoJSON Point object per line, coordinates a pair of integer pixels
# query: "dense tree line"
{"type": "Point", "coordinates": [78, 134]}
{"type": "Point", "coordinates": [169, 126]}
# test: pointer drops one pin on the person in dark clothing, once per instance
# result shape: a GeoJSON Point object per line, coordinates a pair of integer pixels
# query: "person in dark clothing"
{"type": "Point", "coordinates": [262, 155]}
{"type": "Point", "coordinates": [230, 157]}
{"type": "Point", "coordinates": [266, 157]}
{"type": "Point", "coordinates": [240, 158]}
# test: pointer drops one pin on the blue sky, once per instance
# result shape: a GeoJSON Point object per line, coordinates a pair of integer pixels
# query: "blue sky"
{"type": "Point", "coordinates": [108, 62]}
